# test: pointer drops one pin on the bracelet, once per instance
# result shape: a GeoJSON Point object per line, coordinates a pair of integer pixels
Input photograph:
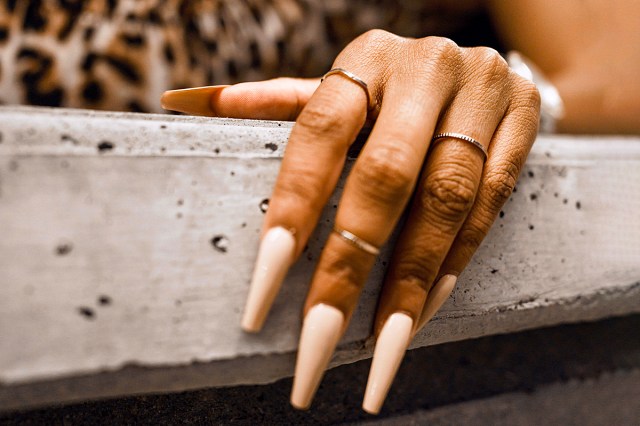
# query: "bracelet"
{"type": "Point", "coordinates": [551, 105]}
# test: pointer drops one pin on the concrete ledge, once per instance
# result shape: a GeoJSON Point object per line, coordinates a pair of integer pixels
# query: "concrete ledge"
{"type": "Point", "coordinates": [129, 241]}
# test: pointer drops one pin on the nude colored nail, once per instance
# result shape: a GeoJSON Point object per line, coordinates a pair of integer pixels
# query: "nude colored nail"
{"type": "Point", "coordinates": [436, 298]}
{"type": "Point", "coordinates": [274, 259]}
{"type": "Point", "coordinates": [390, 349]}
{"type": "Point", "coordinates": [321, 331]}
{"type": "Point", "coordinates": [194, 101]}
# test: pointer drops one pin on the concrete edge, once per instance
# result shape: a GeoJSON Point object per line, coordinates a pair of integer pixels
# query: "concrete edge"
{"type": "Point", "coordinates": [263, 369]}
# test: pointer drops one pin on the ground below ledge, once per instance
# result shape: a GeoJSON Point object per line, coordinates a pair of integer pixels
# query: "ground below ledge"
{"type": "Point", "coordinates": [569, 374]}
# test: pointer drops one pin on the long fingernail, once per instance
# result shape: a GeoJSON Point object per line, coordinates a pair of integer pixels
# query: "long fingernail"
{"type": "Point", "coordinates": [195, 101]}
{"type": "Point", "coordinates": [321, 332]}
{"type": "Point", "coordinates": [436, 298]}
{"type": "Point", "coordinates": [274, 259]}
{"type": "Point", "coordinates": [390, 349]}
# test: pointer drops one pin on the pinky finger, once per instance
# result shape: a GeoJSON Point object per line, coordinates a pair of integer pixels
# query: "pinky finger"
{"type": "Point", "coordinates": [510, 146]}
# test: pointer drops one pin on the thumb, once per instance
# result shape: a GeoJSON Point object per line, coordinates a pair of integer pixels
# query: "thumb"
{"type": "Point", "coordinates": [277, 99]}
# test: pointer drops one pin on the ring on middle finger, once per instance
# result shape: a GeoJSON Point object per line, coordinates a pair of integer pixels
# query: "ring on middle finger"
{"type": "Point", "coordinates": [354, 240]}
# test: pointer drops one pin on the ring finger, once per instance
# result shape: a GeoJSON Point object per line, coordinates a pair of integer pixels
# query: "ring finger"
{"type": "Point", "coordinates": [442, 201]}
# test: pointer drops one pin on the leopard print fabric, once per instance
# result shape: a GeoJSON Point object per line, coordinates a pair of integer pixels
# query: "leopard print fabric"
{"type": "Point", "coordinates": [122, 54]}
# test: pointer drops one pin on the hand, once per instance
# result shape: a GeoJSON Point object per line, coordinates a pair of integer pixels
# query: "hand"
{"type": "Point", "coordinates": [417, 88]}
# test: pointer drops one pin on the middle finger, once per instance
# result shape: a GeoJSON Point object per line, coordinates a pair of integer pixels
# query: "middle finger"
{"type": "Point", "coordinates": [375, 194]}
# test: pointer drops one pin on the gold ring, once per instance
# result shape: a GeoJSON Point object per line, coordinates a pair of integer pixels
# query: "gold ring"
{"type": "Point", "coordinates": [357, 241]}
{"type": "Point", "coordinates": [351, 76]}
{"type": "Point", "coordinates": [462, 137]}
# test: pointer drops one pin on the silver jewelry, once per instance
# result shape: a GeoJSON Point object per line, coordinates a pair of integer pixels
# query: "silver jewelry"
{"type": "Point", "coordinates": [351, 76]}
{"type": "Point", "coordinates": [462, 137]}
{"type": "Point", "coordinates": [357, 241]}
{"type": "Point", "coordinates": [551, 105]}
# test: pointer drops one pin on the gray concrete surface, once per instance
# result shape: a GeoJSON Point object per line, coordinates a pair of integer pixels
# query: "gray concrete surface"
{"type": "Point", "coordinates": [111, 284]}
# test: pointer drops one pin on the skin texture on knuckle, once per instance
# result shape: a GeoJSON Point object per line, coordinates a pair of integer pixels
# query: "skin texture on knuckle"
{"type": "Point", "coordinates": [488, 60]}
{"type": "Point", "coordinates": [383, 175]}
{"type": "Point", "coordinates": [462, 250]}
{"type": "Point", "coordinates": [488, 73]}
{"type": "Point", "coordinates": [414, 270]}
{"type": "Point", "coordinates": [471, 235]}
{"type": "Point", "coordinates": [340, 277]}
{"type": "Point", "coordinates": [345, 272]}
{"type": "Point", "coordinates": [322, 118]}
{"type": "Point", "coordinates": [376, 39]}
{"type": "Point", "coordinates": [439, 50]}
{"type": "Point", "coordinates": [436, 58]}
{"type": "Point", "coordinates": [375, 47]}
{"type": "Point", "coordinates": [295, 189]}
{"type": "Point", "coordinates": [448, 196]}
{"type": "Point", "coordinates": [525, 98]}
{"type": "Point", "coordinates": [498, 185]}
{"type": "Point", "coordinates": [375, 56]}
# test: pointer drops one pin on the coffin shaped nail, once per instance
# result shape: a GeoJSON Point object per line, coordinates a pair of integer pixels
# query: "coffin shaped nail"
{"type": "Point", "coordinates": [195, 101]}
{"type": "Point", "coordinates": [390, 349]}
{"type": "Point", "coordinates": [274, 259]}
{"type": "Point", "coordinates": [436, 298]}
{"type": "Point", "coordinates": [321, 331]}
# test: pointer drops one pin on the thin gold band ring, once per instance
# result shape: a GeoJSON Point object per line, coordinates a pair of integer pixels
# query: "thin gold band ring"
{"type": "Point", "coordinates": [356, 241]}
{"type": "Point", "coordinates": [351, 76]}
{"type": "Point", "coordinates": [462, 137]}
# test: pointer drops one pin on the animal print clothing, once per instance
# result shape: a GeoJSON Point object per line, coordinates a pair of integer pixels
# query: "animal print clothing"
{"type": "Point", "coordinates": [122, 54]}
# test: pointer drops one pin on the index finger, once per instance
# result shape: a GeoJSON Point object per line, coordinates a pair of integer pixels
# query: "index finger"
{"type": "Point", "coordinates": [312, 163]}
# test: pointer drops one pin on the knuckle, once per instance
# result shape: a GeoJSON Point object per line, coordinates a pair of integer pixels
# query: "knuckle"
{"type": "Point", "coordinates": [526, 94]}
{"type": "Point", "coordinates": [384, 176]}
{"type": "Point", "coordinates": [298, 188]}
{"type": "Point", "coordinates": [488, 67]}
{"type": "Point", "coordinates": [440, 47]}
{"type": "Point", "coordinates": [488, 57]}
{"type": "Point", "coordinates": [373, 43]}
{"type": "Point", "coordinates": [413, 270]}
{"type": "Point", "coordinates": [377, 35]}
{"type": "Point", "coordinates": [321, 118]}
{"type": "Point", "coordinates": [448, 196]}
{"type": "Point", "coordinates": [498, 185]}
{"type": "Point", "coordinates": [471, 235]}
{"type": "Point", "coordinates": [437, 59]}
{"type": "Point", "coordinates": [440, 50]}
{"type": "Point", "coordinates": [345, 272]}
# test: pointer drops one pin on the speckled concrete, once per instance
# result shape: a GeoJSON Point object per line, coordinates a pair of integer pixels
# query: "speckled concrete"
{"type": "Point", "coordinates": [130, 240]}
